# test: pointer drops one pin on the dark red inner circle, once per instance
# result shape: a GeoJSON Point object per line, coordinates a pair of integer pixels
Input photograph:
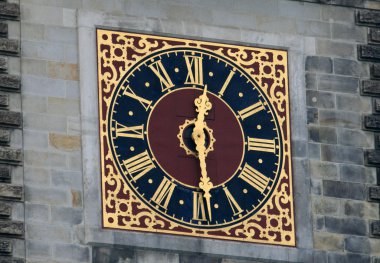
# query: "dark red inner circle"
{"type": "Point", "coordinates": [170, 113]}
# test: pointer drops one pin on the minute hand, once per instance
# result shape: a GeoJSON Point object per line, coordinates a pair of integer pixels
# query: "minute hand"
{"type": "Point", "coordinates": [203, 105]}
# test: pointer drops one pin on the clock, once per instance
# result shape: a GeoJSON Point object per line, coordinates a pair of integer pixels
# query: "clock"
{"type": "Point", "coordinates": [195, 138]}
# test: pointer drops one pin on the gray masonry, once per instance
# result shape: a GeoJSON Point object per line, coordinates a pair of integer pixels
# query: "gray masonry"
{"type": "Point", "coordinates": [50, 203]}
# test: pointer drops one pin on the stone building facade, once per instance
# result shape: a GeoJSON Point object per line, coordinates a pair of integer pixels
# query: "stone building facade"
{"type": "Point", "coordinates": [49, 150]}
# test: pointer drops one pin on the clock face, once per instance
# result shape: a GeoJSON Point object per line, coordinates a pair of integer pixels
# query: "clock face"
{"type": "Point", "coordinates": [151, 120]}
{"type": "Point", "coordinates": [194, 138]}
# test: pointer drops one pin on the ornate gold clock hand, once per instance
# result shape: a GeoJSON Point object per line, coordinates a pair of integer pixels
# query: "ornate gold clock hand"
{"type": "Point", "coordinates": [203, 105]}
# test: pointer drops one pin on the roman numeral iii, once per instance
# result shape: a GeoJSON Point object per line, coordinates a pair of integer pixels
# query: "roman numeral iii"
{"type": "Point", "coordinates": [131, 131]}
{"type": "Point", "coordinates": [254, 178]}
{"type": "Point", "coordinates": [195, 70]}
{"type": "Point", "coordinates": [163, 193]}
{"type": "Point", "coordinates": [261, 145]}
{"type": "Point", "coordinates": [139, 165]}
{"type": "Point", "coordinates": [250, 110]}
{"type": "Point", "coordinates": [160, 71]}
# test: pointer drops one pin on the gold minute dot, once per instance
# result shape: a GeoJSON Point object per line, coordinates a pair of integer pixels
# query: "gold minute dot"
{"type": "Point", "coordinates": [147, 84]}
{"type": "Point", "coordinates": [132, 148]}
{"type": "Point", "coordinates": [211, 74]}
{"type": "Point", "coordinates": [150, 181]}
{"type": "Point", "coordinates": [130, 113]}
{"type": "Point", "coordinates": [260, 160]}
{"type": "Point", "coordinates": [176, 70]}
{"type": "Point", "coordinates": [258, 127]}
{"type": "Point", "coordinates": [216, 206]}
{"type": "Point", "coordinates": [245, 191]}
{"type": "Point", "coordinates": [181, 202]}
{"type": "Point", "coordinates": [241, 94]}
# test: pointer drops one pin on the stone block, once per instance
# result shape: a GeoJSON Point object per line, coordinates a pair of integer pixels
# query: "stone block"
{"type": "Point", "coordinates": [361, 209]}
{"type": "Point", "coordinates": [112, 254]}
{"type": "Point", "coordinates": [319, 222]}
{"type": "Point", "coordinates": [374, 193]}
{"type": "Point", "coordinates": [372, 122]}
{"type": "Point", "coordinates": [347, 67]}
{"type": "Point", "coordinates": [320, 99]}
{"type": "Point", "coordinates": [3, 64]}
{"type": "Point", "coordinates": [5, 210]}
{"type": "Point", "coordinates": [341, 154]}
{"type": "Point", "coordinates": [47, 196]}
{"type": "Point", "coordinates": [311, 81]}
{"type": "Point", "coordinates": [374, 35]}
{"type": "Point", "coordinates": [375, 71]}
{"type": "Point", "coordinates": [346, 190]}
{"type": "Point", "coordinates": [5, 246]}
{"type": "Point", "coordinates": [368, 17]}
{"type": "Point", "coordinates": [10, 82]}
{"type": "Point", "coordinates": [322, 134]}
{"type": "Point", "coordinates": [357, 138]}
{"type": "Point", "coordinates": [64, 142]}
{"type": "Point", "coordinates": [376, 105]}
{"type": "Point", "coordinates": [357, 245]}
{"type": "Point", "coordinates": [316, 186]}
{"type": "Point", "coordinates": [349, 32]}
{"type": "Point", "coordinates": [299, 149]}
{"type": "Point", "coordinates": [190, 258]}
{"type": "Point", "coordinates": [369, 52]}
{"type": "Point", "coordinates": [338, 84]}
{"type": "Point", "coordinates": [35, 249]}
{"type": "Point", "coordinates": [357, 174]}
{"type": "Point", "coordinates": [5, 173]}
{"type": "Point", "coordinates": [67, 215]}
{"type": "Point", "coordinates": [314, 151]}
{"type": "Point", "coordinates": [347, 258]}
{"type": "Point", "coordinates": [9, 10]}
{"type": "Point", "coordinates": [327, 241]}
{"type": "Point", "coordinates": [3, 29]}
{"type": "Point", "coordinates": [325, 205]}
{"type": "Point", "coordinates": [10, 155]}
{"type": "Point", "coordinates": [323, 170]}
{"type": "Point", "coordinates": [11, 260]}
{"type": "Point", "coordinates": [71, 252]}
{"type": "Point", "coordinates": [5, 136]}
{"type": "Point", "coordinates": [318, 64]}
{"type": "Point", "coordinates": [312, 115]}
{"type": "Point", "coordinates": [9, 46]}
{"type": "Point", "coordinates": [335, 49]}
{"type": "Point", "coordinates": [37, 212]}
{"type": "Point", "coordinates": [10, 118]}
{"type": "Point", "coordinates": [12, 228]}
{"type": "Point", "coordinates": [4, 100]}
{"type": "Point", "coordinates": [349, 226]}
{"type": "Point", "coordinates": [60, 70]}
{"type": "Point", "coordinates": [372, 157]}
{"type": "Point", "coordinates": [370, 87]}
{"type": "Point", "coordinates": [156, 256]}
{"type": "Point", "coordinates": [348, 102]}
{"type": "Point", "coordinates": [375, 228]}
{"type": "Point", "coordinates": [48, 232]}
{"type": "Point", "coordinates": [9, 191]}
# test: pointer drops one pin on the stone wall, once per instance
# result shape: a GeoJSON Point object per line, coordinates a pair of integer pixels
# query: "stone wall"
{"type": "Point", "coordinates": [331, 84]}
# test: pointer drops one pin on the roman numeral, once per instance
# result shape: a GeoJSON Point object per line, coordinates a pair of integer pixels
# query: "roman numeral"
{"type": "Point", "coordinates": [163, 193]}
{"type": "Point", "coordinates": [131, 132]}
{"type": "Point", "coordinates": [231, 200]}
{"type": "Point", "coordinates": [254, 178]}
{"type": "Point", "coordinates": [139, 165]}
{"type": "Point", "coordinates": [144, 102]}
{"type": "Point", "coordinates": [261, 145]}
{"type": "Point", "coordinates": [159, 70]}
{"type": "Point", "coordinates": [245, 113]}
{"type": "Point", "coordinates": [223, 89]}
{"type": "Point", "coordinates": [195, 70]}
{"type": "Point", "coordinates": [199, 211]}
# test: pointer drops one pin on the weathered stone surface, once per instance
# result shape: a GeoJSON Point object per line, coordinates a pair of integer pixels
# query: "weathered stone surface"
{"type": "Point", "coordinates": [4, 101]}
{"type": "Point", "coordinates": [369, 52]}
{"type": "Point", "coordinates": [5, 246]}
{"type": "Point", "coordinates": [374, 193]}
{"type": "Point", "coordinates": [338, 84]}
{"type": "Point", "coordinates": [336, 118]}
{"type": "Point", "coordinates": [372, 157]}
{"type": "Point", "coordinates": [375, 71]}
{"type": "Point", "coordinates": [9, 154]}
{"type": "Point", "coordinates": [11, 191]}
{"type": "Point", "coordinates": [11, 260]}
{"type": "Point", "coordinates": [319, 64]}
{"type": "Point", "coordinates": [320, 99]}
{"type": "Point", "coordinates": [360, 209]}
{"type": "Point", "coordinates": [370, 87]}
{"type": "Point", "coordinates": [348, 258]}
{"type": "Point", "coordinates": [372, 122]}
{"type": "Point", "coordinates": [14, 228]}
{"type": "Point", "coordinates": [346, 67]}
{"type": "Point", "coordinates": [5, 210]}
{"type": "Point", "coordinates": [376, 105]}
{"type": "Point", "coordinates": [344, 190]}
{"type": "Point", "coordinates": [341, 154]}
{"type": "Point", "coordinates": [5, 136]}
{"type": "Point", "coordinates": [9, 10]}
{"type": "Point", "coordinates": [374, 35]}
{"type": "Point", "coordinates": [112, 254]}
{"type": "Point", "coordinates": [5, 173]}
{"type": "Point", "coordinates": [350, 226]}
{"type": "Point", "coordinates": [312, 115]}
{"type": "Point", "coordinates": [3, 29]}
{"type": "Point", "coordinates": [357, 244]}
{"type": "Point", "coordinates": [368, 17]}
{"type": "Point", "coordinates": [9, 46]}
{"type": "Point", "coordinates": [10, 82]}
{"type": "Point", "coordinates": [10, 118]}
{"type": "Point", "coordinates": [375, 228]}
{"type": "Point", "coordinates": [322, 134]}
{"type": "Point", "coordinates": [64, 142]}
{"type": "Point", "coordinates": [3, 64]}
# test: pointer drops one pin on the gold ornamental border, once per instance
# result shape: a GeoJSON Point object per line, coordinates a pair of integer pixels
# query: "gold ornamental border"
{"type": "Point", "coordinates": [121, 209]}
